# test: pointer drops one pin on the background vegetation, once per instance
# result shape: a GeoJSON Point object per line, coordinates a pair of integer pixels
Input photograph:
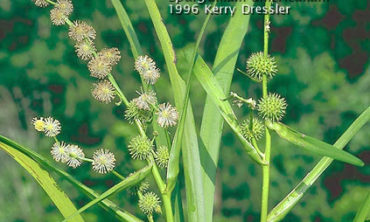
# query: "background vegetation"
{"type": "Point", "coordinates": [323, 57]}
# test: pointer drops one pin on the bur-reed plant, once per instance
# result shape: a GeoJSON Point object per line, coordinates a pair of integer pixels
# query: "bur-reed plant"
{"type": "Point", "coordinates": [154, 144]}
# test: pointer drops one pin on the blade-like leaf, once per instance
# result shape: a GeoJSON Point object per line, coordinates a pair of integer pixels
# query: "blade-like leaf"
{"type": "Point", "coordinates": [212, 122]}
{"type": "Point", "coordinates": [364, 210]}
{"type": "Point", "coordinates": [192, 166]}
{"type": "Point", "coordinates": [59, 198]}
{"type": "Point", "coordinates": [128, 28]}
{"type": "Point", "coordinates": [313, 145]}
{"type": "Point", "coordinates": [133, 179]}
{"type": "Point", "coordinates": [215, 92]}
{"type": "Point", "coordinates": [106, 204]}
{"type": "Point", "coordinates": [280, 210]}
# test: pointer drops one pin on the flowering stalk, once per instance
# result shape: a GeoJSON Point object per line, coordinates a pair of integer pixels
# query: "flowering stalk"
{"type": "Point", "coordinates": [266, 168]}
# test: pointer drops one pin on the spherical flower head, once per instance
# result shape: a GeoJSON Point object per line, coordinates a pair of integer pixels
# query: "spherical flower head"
{"type": "Point", "coordinates": [99, 68]}
{"type": "Point", "coordinates": [146, 99]}
{"type": "Point", "coordinates": [75, 155]}
{"type": "Point", "coordinates": [103, 161]}
{"type": "Point", "coordinates": [162, 156]}
{"type": "Point", "coordinates": [65, 6]}
{"type": "Point", "coordinates": [57, 16]}
{"type": "Point", "coordinates": [52, 127]}
{"type": "Point", "coordinates": [140, 147]}
{"type": "Point", "coordinates": [147, 69]}
{"type": "Point", "coordinates": [167, 115]}
{"type": "Point", "coordinates": [144, 63]}
{"type": "Point", "coordinates": [60, 151]}
{"type": "Point", "coordinates": [85, 49]}
{"type": "Point", "coordinates": [252, 129]}
{"type": "Point", "coordinates": [81, 30]}
{"type": "Point", "coordinates": [41, 3]}
{"type": "Point", "coordinates": [258, 65]}
{"type": "Point", "coordinates": [151, 76]}
{"type": "Point", "coordinates": [103, 91]}
{"type": "Point", "coordinates": [133, 113]}
{"type": "Point", "coordinates": [112, 55]}
{"type": "Point", "coordinates": [149, 203]}
{"type": "Point", "coordinates": [39, 124]}
{"type": "Point", "coordinates": [272, 107]}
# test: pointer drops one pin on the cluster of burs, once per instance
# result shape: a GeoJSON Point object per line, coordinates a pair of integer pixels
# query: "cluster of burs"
{"type": "Point", "coordinates": [271, 107]}
{"type": "Point", "coordinates": [141, 110]}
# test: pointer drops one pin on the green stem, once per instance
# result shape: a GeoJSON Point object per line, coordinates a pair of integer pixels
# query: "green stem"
{"type": "Point", "coordinates": [266, 168]}
{"type": "Point", "coordinates": [118, 175]}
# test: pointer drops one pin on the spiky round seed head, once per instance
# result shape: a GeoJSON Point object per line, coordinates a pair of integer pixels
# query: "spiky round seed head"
{"type": "Point", "coordinates": [103, 91]}
{"type": "Point", "coordinates": [41, 3]}
{"type": "Point", "coordinates": [167, 115]}
{"type": "Point", "coordinates": [272, 107]}
{"type": "Point", "coordinates": [112, 55]}
{"type": "Point", "coordinates": [85, 49]}
{"type": "Point", "coordinates": [57, 17]}
{"type": "Point", "coordinates": [144, 63]}
{"type": "Point", "coordinates": [99, 68]}
{"type": "Point", "coordinates": [60, 151]}
{"type": "Point", "coordinates": [133, 113]}
{"type": "Point", "coordinates": [252, 129]}
{"type": "Point", "coordinates": [258, 65]}
{"type": "Point", "coordinates": [52, 127]}
{"type": "Point", "coordinates": [162, 156]}
{"type": "Point", "coordinates": [145, 99]}
{"type": "Point", "coordinates": [80, 30]}
{"type": "Point", "coordinates": [140, 147]}
{"type": "Point", "coordinates": [65, 6]}
{"type": "Point", "coordinates": [75, 155]}
{"type": "Point", "coordinates": [39, 124]}
{"type": "Point", "coordinates": [144, 186]}
{"type": "Point", "coordinates": [149, 203]}
{"type": "Point", "coordinates": [151, 76]}
{"type": "Point", "coordinates": [103, 161]}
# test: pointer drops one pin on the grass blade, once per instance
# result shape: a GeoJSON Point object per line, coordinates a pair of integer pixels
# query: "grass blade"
{"type": "Point", "coordinates": [59, 198]}
{"type": "Point", "coordinates": [191, 159]}
{"type": "Point", "coordinates": [280, 210]}
{"type": "Point", "coordinates": [128, 28]}
{"type": "Point", "coordinates": [212, 122]}
{"type": "Point", "coordinates": [135, 178]}
{"type": "Point", "coordinates": [106, 204]}
{"type": "Point", "coordinates": [313, 145]}
{"type": "Point", "coordinates": [363, 212]}
{"type": "Point", "coordinates": [215, 92]}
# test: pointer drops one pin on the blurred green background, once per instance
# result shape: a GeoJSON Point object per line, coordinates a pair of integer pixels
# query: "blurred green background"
{"type": "Point", "coordinates": [323, 55]}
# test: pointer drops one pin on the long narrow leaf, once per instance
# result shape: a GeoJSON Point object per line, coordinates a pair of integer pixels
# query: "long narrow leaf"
{"type": "Point", "coordinates": [280, 210]}
{"type": "Point", "coordinates": [133, 179]}
{"type": "Point", "coordinates": [364, 210]}
{"type": "Point", "coordinates": [215, 92]}
{"type": "Point", "coordinates": [212, 122]}
{"type": "Point", "coordinates": [313, 145]}
{"type": "Point", "coordinates": [128, 28]}
{"type": "Point", "coordinates": [59, 198]}
{"type": "Point", "coordinates": [106, 204]}
{"type": "Point", "coordinates": [192, 166]}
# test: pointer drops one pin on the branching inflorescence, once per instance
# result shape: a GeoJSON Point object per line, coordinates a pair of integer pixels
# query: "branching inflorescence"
{"type": "Point", "coordinates": [140, 110]}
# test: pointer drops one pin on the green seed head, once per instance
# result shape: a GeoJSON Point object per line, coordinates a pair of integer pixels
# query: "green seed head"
{"type": "Point", "coordinates": [133, 113]}
{"type": "Point", "coordinates": [162, 156]}
{"type": "Point", "coordinates": [140, 147]}
{"type": "Point", "coordinates": [258, 65]}
{"type": "Point", "coordinates": [149, 202]}
{"type": "Point", "coordinates": [252, 129]}
{"type": "Point", "coordinates": [272, 107]}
